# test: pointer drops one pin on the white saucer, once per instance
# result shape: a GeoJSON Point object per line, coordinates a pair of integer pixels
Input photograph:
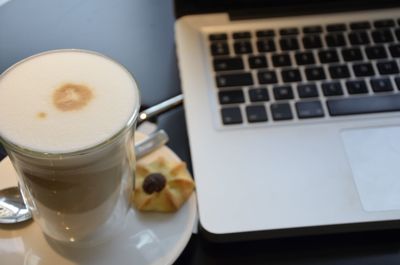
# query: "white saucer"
{"type": "Point", "coordinates": [149, 238]}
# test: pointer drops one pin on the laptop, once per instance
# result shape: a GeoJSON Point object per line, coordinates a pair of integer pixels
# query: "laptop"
{"type": "Point", "coordinates": [293, 115]}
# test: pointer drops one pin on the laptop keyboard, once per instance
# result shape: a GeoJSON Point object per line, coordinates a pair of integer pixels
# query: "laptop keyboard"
{"type": "Point", "coordinates": [312, 72]}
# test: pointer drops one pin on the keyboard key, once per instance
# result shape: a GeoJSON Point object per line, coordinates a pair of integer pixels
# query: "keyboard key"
{"type": "Point", "coordinates": [382, 36]}
{"type": "Point", "coordinates": [397, 81]}
{"type": "Point", "coordinates": [339, 71]}
{"type": "Point", "coordinates": [307, 90]}
{"type": "Point", "coordinates": [364, 105]}
{"type": "Point", "coordinates": [231, 115]}
{"type": "Point", "coordinates": [230, 80]}
{"type": "Point", "coordinates": [258, 61]}
{"type": "Point", "coordinates": [397, 33]}
{"type": "Point", "coordinates": [230, 97]}
{"type": "Point", "coordinates": [332, 89]}
{"type": "Point", "coordinates": [265, 33]}
{"type": "Point", "coordinates": [395, 50]}
{"type": "Point", "coordinates": [256, 113]}
{"type": "Point", "coordinates": [242, 47]}
{"type": "Point", "coordinates": [309, 109]}
{"type": "Point", "coordinates": [291, 75]}
{"type": "Point", "coordinates": [384, 23]}
{"type": "Point", "coordinates": [289, 44]}
{"type": "Point", "coordinates": [359, 38]}
{"type": "Point", "coordinates": [266, 45]}
{"type": "Point", "coordinates": [283, 92]}
{"type": "Point", "coordinates": [352, 54]}
{"type": "Point", "coordinates": [281, 60]}
{"type": "Point", "coordinates": [328, 56]}
{"type": "Point", "coordinates": [227, 64]}
{"type": "Point", "coordinates": [381, 85]}
{"type": "Point", "coordinates": [376, 52]}
{"type": "Point", "coordinates": [312, 42]}
{"type": "Point", "coordinates": [258, 94]}
{"type": "Point", "coordinates": [387, 68]}
{"type": "Point", "coordinates": [267, 77]}
{"type": "Point", "coordinates": [305, 58]}
{"type": "Point", "coordinates": [356, 87]}
{"type": "Point", "coordinates": [281, 111]}
{"type": "Point", "coordinates": [241, 35]}
{"type": "Point", "coordinates": [312, 29]}
{"type": "Point", "coordinates": [218, 36]}
{"type": "Point", "coordinates": [219, 48]}
{"type": "Point", "coordinates": [289, 31]}
{"type": "Point", "coordinates": [315, 73]}
{"type": "Point", "coordinates": [360, 25]}
{"type": "Point", "coordinates": [335, 40]}
{"type": "Point", "coordinates": [336, 27]}
{"type": "Point", "coordinates": [364, 69]}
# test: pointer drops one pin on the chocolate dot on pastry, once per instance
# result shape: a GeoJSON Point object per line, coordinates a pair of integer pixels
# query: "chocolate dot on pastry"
{"type": "Point", "coordinates": [154, 182]}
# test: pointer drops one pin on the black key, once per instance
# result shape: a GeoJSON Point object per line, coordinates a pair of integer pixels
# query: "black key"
{"type": "Point", "coordinates": [227, 64]}
{"type": "Point", "coordinates": [219, 48]}
{"type": "Point", "coordinates": [307, 90]}
{"type": "Point", "coordinates": [328, 56]}
{"type": "Point", "coordinates": [356, 87]}
{"type": "Point", "coordinates": [364, 105]}
{"type": "Point", "coordinates": [335, 40]}
{"type": "Point", "coordinates": [312, 41]}
{"type": "Point", "coordinates": [266, 45]}
{"type": "Point", "coordinates": [258, 61]}
{"type": "Point", "coordinates": [291, 75]}
{"type": "Point", "coordinates": [229, 80]}
{"type": "Point", "coordinates": [339, 71]}
{"type": "Point", "coordinates": [231, 115]}
{"type": "Point", "coordinates": [265, 33]}
{"type": "Point", "coordinates": [230, 97]}
{"type": "Point", "coordinates": [382, 36]}
{"type": "Point", "coordinates": [364, 69]}
{"type": "Point", "coordinates": [282, 59]}
{"type": "Point", "coordinates": [289, 31]}
{"type": "Point", "coordinates": [376, 52]}
{"type": "Point", "coordinates": [388, 68]}
{"type": "Point", "coordinates": [283, 92]}
{"type": "Point", "coordinates": [218, 36]}
{"type": "Point", "coordinates": [332, 89]}
{"type": "Point", "coordinates": [304, 58]}
{"type": "Point", "coordinates": [336, 27]}
{"type": "Point", "coordinates": [397, 81]}
{"type": "Point", "coordinates": [381, 85]}
{"type": "Point", "coordinates": [256, 113]}
{"type": "Point", "coordinates": [359, 38]}
{"type": "Point", "coordinates": [397, 33]}
{"type": "Point", "coordinates": [360, 25]}
{"type": "Point", "coordinates": [281, 111]}
{"type": "Point", "coordinates": [309, 109]}
{"type": "Point", "coordinates": [242, 47]}
{"type": "Point", "coordinates": [384, 23]}
{"type": "Point", "coordinates": [352, 54]}
{"type": "Point", "coordinates": [395, 50]}
{"type": "Point", "coordinates": [315, 73]}
{"type": "Point", "coordinates": [312, 29]}
{"type": "Point", "coordinates": [289, 44]}
{"type": "Point", "coordinates": [267, 77]}
{"type": "Point", "coordinates": [241, 35]}
{"type": "Point", "coordinates": [258, 94]}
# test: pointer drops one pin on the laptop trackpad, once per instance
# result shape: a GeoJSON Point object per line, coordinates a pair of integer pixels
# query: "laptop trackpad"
{"type": "Point", "coordinates": [374, 155]}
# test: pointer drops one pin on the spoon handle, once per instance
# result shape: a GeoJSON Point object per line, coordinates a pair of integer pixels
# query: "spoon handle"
{"type": "Point", "coordinates": [154, 141]}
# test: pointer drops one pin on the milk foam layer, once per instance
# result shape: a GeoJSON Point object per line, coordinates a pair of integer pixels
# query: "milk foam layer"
{"type": "Point", "coordinates": [31, 117]}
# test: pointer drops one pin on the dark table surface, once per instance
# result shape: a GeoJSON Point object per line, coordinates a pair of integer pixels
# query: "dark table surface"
{"type": "Point", "coordinates": [139, 34]}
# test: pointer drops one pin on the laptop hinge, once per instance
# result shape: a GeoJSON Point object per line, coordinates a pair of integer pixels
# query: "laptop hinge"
{"type": "Point", "coordinates": [307, 9]}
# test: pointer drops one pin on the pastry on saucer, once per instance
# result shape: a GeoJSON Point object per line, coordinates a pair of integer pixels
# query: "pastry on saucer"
{"type": "Point", "coordinates": [162, 186]}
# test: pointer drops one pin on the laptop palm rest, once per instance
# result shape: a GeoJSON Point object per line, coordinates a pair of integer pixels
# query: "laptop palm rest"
{"type": "Point", "coordinates": [374, 156]}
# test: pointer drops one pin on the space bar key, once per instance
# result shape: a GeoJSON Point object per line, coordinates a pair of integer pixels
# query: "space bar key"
{"type": "Point", "coordinates": [363, 105]}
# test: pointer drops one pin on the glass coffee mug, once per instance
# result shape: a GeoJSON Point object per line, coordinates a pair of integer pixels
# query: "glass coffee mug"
{"type": "Point", "coordinates": [67, 120]}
